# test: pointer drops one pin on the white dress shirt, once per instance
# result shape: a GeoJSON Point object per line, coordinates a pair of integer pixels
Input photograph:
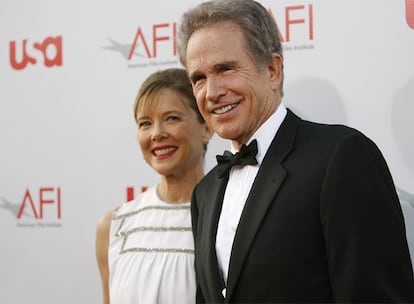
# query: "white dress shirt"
{"type": "Point", "coordinates": [238, 187]}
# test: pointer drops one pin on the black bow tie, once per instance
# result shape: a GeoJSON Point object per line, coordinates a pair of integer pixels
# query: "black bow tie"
{"type": "Point", "coordinates": [246, 156]}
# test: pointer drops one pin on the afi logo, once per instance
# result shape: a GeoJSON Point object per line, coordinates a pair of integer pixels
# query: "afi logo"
{"type": "Point", "coordinates": [46, 195]}
{"type": "Point", "coordinates": [50, 48]}
{"type": "Point", "coordinates": [409, 12]}
{"type": "Point", "coordinates": [130, 192]}
{"type": "Point", "coordinates": [298, 19]}
{"type": "Point", "coordinates": [149, 41]}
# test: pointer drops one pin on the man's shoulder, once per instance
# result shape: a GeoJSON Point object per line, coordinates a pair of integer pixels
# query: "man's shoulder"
{"type": "Point", "coordinates": [209, 179]}
{"type": "Point", "coordinates": [319, 126]}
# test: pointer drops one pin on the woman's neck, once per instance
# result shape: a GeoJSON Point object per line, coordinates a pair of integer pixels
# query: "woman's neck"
{"type": "Point", "coordinates": [178, 190]}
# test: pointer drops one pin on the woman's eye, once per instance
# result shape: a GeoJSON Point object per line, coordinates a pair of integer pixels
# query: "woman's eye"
{"type": "Point", "coordinates": [143, 124]}
{"type": "Point", "coordinates": [172, 117]}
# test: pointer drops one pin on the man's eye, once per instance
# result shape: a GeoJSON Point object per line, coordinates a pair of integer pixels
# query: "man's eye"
{"type": "Point", "coordinates": [196, 79]}
{"type": "Point", "coordinates": [226, 68]}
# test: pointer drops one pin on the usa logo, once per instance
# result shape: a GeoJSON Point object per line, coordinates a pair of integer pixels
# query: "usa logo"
{"type": "Point", "coordinates": [409, 12]}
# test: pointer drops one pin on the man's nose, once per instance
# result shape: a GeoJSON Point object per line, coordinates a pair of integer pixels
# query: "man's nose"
{"type": "Point", "coordinates": [214, 89]}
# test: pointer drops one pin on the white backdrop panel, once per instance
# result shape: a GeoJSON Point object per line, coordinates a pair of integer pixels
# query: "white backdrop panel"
{"type": "Point", "coordinates": [68, 138]}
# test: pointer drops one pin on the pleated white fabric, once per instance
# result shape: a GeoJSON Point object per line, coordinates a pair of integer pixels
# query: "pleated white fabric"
{"type": "Point", "coordinates": [151, 252]}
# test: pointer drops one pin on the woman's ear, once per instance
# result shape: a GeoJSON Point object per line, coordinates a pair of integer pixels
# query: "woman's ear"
{"type": "Point", "coordinates": [207, 133]}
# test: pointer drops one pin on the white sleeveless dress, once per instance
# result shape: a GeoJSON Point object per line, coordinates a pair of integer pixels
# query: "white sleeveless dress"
{"type": "Point", "coordinates": [151, 252]}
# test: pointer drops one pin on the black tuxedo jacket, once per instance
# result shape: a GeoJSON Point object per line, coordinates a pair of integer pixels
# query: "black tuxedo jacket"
{"type": "Point", "coordinates": [322, 223]}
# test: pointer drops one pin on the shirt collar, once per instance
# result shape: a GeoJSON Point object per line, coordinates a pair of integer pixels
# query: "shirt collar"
{"type": "Point", "coordinates": [267, 131]}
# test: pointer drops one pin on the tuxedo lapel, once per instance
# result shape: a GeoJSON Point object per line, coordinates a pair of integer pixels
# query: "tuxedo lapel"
{"type": "Point", "coordinates": [212, 202]}
{"type": "Point", "coordinates": [265, 187]}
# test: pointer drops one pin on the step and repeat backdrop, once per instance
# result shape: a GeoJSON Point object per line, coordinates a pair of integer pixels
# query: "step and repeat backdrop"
{"type": "Point", "coordinates": [69, 73]}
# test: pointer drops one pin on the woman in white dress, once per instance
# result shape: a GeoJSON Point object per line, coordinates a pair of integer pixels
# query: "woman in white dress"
{"type": "Point", "coordinates": [145, 248]}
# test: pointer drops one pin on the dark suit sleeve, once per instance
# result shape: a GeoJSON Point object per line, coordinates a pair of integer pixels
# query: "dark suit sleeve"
{"type": "Point", "coordinates": [364, 228]}
{"type": "Point", "coordinates": [194, 223]}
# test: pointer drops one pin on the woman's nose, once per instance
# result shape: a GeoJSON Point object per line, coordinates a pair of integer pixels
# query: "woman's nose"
{"type": "Point", "coordinates": [158, 132]}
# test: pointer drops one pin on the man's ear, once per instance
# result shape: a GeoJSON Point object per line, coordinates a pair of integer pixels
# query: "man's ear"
{"type": "Point", "coordinates": [275, 70]}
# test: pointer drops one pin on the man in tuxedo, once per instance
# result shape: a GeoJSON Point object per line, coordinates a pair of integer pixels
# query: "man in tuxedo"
{"type": "Point", "coordinates": [303, 212]}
